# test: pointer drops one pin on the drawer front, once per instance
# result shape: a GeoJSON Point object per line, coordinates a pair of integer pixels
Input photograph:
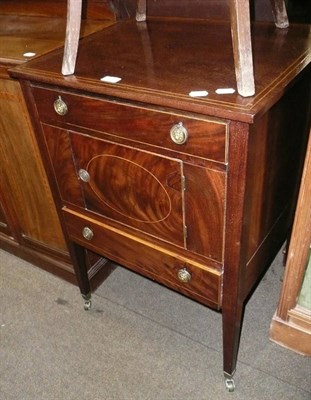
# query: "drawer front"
{"type": "Point", "coordinates": [194, 136]}
{"type": "Point", "coordinates": [181, 274]}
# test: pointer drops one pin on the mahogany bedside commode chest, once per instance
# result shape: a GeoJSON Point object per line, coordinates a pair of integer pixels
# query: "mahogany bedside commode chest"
{"type": "Point", "coordinates": [157, 164]}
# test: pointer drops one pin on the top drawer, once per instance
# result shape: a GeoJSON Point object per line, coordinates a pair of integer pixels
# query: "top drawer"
{"type": "Point", "coordinates": [194, 136]}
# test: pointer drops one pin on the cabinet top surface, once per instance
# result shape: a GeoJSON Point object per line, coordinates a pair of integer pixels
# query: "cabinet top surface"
{"type": "Point", "coordinates": [162, 61]}
{"type": "Point", "coordinates": [23, 34]}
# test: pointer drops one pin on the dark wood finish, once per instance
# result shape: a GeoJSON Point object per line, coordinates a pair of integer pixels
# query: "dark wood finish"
{"type": "Point", "coordinates": [235, 195]}
{"type": "Point", "coordinates": [29, 224]}
{"type": "Point", "coordinates": [240, 31]}
{"type": "Point", "coordinates": [170, 70]}
{"type": "Point", "coordinates": [208, 143]}
{"type": "Point", "coordinates": [4, 225]}
{"type": "Point", "coordinates": [146, 258]}
{"type": "Point", "coordinates": [92, 9]}
{"type": "Point", "coordinates": [212, 9]}
{"type": "Point", "coordinates": [29, 209]}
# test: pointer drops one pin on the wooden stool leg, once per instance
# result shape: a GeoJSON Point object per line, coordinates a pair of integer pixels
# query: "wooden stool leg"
{"type": "Point", "coordinates": [74, 10]}
{"type": "Point", "coordinates": [279, 13]}
{"type": "Point", "coordinates": [242, 46]}
{"type": "Point", "coordinates": [141, 12]}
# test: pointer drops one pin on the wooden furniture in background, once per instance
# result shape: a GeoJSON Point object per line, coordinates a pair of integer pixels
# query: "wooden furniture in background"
{"type": "Point", "coordinates": [194, 190]}
{"type": "Point", "coordinates": [240, 30]}
{"type": "Point", "coordinates": [29, 224]}
{"type": "Point", "coordinates": [291, 324]}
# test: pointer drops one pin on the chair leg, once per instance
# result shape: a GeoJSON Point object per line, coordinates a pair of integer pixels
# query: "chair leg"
{"type": "Point", "coordinates": [141, 12]}
{"type": "Point", "coordinates": [242, 46]}
{"type": "Point", "coordinates": [74, 10]}
{"type": "Point", "coordinates": [279, 13]}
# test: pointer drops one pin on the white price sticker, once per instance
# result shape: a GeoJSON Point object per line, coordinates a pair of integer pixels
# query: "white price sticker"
{"type": "Point", "coordinates": [198, 93]}
{"type": "Point", "coordinates": [225, 91]}
{"type": "Point", "coordinates": [110, 79]}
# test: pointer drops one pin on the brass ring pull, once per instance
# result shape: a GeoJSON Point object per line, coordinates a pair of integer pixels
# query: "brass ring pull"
{"type": "Point", "coordinates": [87, 233]}
{"type": "Point", "coordinates": [60, 107]}
{"type": "Point", "coordinates": [184, 275]}
{"type": "Point", "coordinates": [179, 133]}
{"type": "Point", "coordinates": [84, 175]}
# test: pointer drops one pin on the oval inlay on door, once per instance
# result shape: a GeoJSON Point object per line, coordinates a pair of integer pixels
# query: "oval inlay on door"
{"type": "Point", "coordinates": [128, 188]}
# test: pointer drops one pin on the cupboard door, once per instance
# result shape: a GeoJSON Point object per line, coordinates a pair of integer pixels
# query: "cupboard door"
{"type": "Point", "coordinates": [134, 187]}
{"type": "Point", "coordinates": [137, 188]}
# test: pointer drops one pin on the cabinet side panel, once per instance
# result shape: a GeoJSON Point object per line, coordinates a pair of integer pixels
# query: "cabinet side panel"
{"type": "Point", "coordinates": [277, 144]}
{"type": "Point", "coordinates": [276, 151]}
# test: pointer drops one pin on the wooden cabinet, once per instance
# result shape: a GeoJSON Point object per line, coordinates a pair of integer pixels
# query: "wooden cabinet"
{"type": "Point", "coordinates": [4, 226]}
{"type": "Point", "coordinates": [29, 224]}
{"type": "Point", "coordinates": [165, 174]}
{"type": "Point", "coordinates": [291, 324]}
{"type": "Point", "coordinates": [127, 180]}
{"type": "Point", "coordinates": [25, 196]}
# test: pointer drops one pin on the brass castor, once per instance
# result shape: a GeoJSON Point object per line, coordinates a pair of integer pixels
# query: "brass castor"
{"type": "Point", "coordinates": [87, 305]}
{"type": "Point", "coordinates": [87, 301]}
{"type": "Point", "coordinates": [230, 386]}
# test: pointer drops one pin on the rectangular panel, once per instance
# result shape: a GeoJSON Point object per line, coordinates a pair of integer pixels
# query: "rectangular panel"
{"type": "Point", "coordinates": [22, 172]}
{"type": "Point", "coordinates": [152, 261]}
{"type": "Point", "coordinates": [205, 209]}
{"type": "Point", "coordinates": [134, 187]}
{"type": "Point", "coordinates": [206, 138]}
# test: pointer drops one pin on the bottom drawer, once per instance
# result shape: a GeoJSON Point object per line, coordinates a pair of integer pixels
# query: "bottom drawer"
{"type": "Point", "coordinates": [189, 277]}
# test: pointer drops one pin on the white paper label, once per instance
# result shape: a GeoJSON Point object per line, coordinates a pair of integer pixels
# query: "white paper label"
{"type": "Point", "coordinates": [29, 54]}
{"type": "Point", "coordinates": [225, 91]}
{"type": "Point", "coordinates": [110, 79]}
{"type": "Point", "coordinates": [198, 93]}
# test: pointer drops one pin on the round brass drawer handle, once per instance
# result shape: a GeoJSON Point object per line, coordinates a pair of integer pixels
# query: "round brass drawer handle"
{"type": "Point", "coordinates": [87, 233]}
{"type": "Point", "coordinates": [60, 106]}
{"type": "Point", "coordinates": [84, 175]}
{"type": "Point", "coordinates": [179, 133]}
{"type": "Point", "coordinates": [184, 275]}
